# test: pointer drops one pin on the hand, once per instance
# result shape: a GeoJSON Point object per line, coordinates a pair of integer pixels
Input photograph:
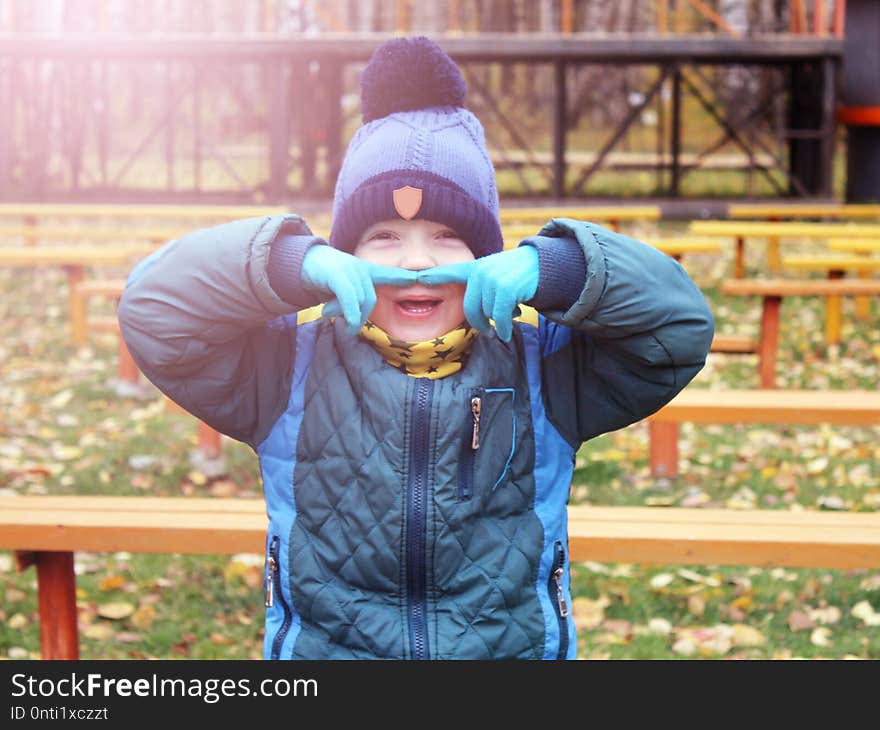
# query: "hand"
{"type": "Point", "coordinates": [350, 280]}
{"type": "Point", "coordinates": [496, 285]}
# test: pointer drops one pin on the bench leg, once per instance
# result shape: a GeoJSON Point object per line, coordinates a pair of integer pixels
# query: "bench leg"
{"type": "Point", "coordinates": [663, 437]}
{"type": "Point", "coordinates": [833, 314]}
{"type": "Point", "coordinates": [739, 263]}
{"type": "Point", "coordinates": [209, 441]}
{"type": "Point", "coordinates": [769, 342]}
{"type": "Point", "coordinates": [774, 262]}
{"type": "Point", "coordinates": [863, 303]}
{"type": "Point", "coordinates": [76, 305]}
{"type": "Point", "coordinates": [126, 368]}
{"type": "Point", "coordinates": [56, 585]}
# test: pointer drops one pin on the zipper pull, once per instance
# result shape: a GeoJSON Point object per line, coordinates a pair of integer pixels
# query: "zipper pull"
{"type": "Point", "coordinates": [476, 407]}
{"type": "Point", "coordinates": [560, 595]}
{"type": "Point", "coordinates": [270, 593]}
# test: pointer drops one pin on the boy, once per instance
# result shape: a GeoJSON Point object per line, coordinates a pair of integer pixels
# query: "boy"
{"type": "Point", "coordinates": [416, 459]}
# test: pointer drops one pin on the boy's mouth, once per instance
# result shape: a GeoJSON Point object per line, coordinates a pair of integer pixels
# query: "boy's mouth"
{"type": "Point", "coordinates": [418, 306]}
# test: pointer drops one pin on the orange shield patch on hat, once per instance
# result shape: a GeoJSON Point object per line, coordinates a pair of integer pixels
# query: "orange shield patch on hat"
{"type": "Point", "coordinates": [407, 201]}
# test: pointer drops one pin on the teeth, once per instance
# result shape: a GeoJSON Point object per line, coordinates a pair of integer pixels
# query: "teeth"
{"type": "Point", "coordinates": [417, 307]}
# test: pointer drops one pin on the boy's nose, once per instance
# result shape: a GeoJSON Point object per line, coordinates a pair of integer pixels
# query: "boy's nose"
{"type": "Point", "coordinates": [416, 259]}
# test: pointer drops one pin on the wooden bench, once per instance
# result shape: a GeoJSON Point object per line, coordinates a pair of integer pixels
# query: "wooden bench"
{"type": "Point", "coordinates": [837, 266]}
{"type": "Point", "coordinates": [773, 291]}
{"type": "Point", "coordinates": [790, 407]}
{"type": "Point", "coordinates": [773, 232]}
{"type": "Point", "coordinates": [73, 259]}
{"type": "Point", "coordinates": [674, 247]}
{"type": "Point", "coordinates": [46, 531]}
{"type": "Point", "coordinates": [611, 215]}
{"type": "Point", "coordinates": [125, 218]}
{"type": "Point", "coordinates": [209, 440]}
{"type": "Point", "coordinates": [790, 211]}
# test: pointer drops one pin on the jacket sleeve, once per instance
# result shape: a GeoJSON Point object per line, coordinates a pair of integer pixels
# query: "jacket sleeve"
{"type": "Point", "coordinates": [204, 324]}
{"type": "Point", "coordinates": [638, 332]}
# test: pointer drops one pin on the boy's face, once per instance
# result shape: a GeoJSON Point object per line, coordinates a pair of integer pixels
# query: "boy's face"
{"type": "Point", "coordinates": [415, 313]}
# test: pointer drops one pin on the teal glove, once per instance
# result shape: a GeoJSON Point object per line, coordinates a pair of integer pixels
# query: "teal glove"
{"type": "Point", "coordinates": [350, 280]}
{"type": "Point", "coordinates": [496, 285]}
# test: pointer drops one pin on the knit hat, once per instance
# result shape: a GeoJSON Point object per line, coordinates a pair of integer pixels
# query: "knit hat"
{"type": "Point", "coordinates": [419, 153]}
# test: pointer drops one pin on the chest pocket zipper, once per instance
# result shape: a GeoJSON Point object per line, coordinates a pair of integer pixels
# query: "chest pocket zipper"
{"type": "Point", "coordinates": [273, 590]}
{"type": "Point", "coordinates": [475, 435]}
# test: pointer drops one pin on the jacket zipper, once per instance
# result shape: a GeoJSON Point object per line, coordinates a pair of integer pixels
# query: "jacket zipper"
{"type": "Point", "coordinates": [471, 437]}
{"type": "Point", "coordinates": [273, 586]}
{"type": "Point", "coordinates": [557, 597]}
{"type": "Point", "coordinates": [416, 527]}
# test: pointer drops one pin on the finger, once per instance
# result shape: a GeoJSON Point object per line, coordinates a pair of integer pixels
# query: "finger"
{"type": "Point", "coordinates": [331, 309]}
{"type": "Point", "coordinates": [473, 309]}
{"type": "Point", "coordinates": [502, 314]}
{"type": "Point", "coordinates": [448, 274]}
{"type": "Point", "coordinates": [369, 300]}
{"type": "Point", "coordinates": [391, 275]}
{"type": "Point", "coordinates": [487, 298]}
{"type": "Point", "coordinates": [350, 304]}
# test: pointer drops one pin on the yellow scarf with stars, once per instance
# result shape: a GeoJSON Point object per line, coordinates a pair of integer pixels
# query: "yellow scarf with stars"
{"type": "Point", "coordinates": [431, 359]}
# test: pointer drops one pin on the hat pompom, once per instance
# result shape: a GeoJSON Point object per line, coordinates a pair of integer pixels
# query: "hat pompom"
{"type": "Point", "coordinates": [409, 73]}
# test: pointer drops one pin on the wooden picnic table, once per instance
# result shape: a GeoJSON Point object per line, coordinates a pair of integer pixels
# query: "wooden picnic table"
{"type": "Point", "coordinates": [73, 259]}
{"type": "Point", "coordinates": [773, 231]}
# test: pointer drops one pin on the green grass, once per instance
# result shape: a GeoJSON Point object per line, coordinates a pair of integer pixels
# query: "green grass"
{"type": "Point", "coordinates": [63, 431]}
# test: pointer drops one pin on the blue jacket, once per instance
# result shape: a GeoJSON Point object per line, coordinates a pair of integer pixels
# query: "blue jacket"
{"type": "Point", "coordinates": [389, 535]}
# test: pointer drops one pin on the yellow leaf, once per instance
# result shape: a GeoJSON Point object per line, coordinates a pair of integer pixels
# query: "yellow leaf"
{"type": "Point", "coordinates": [747, 636]}
{"type": "Point", "coordinates": [115, 611]}
{"type": "Point", "coordinates": [143, 618]}
{"type": "Point", "coordinates": [743, 603]}
{"type": "Point", "coordinates": [17, 621]}
{"type": "Point", "coordinates": [197, 478]}
{"type": "Point", "coordinates": [111, 583]}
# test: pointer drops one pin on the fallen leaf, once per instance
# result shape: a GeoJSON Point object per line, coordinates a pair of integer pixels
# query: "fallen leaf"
{"type": "Point", "coordinates": [99, 632]}
{"type": "Point", "coordinates": [826, 615]}
{"type": "Point", "coordinates": [144, 616]}
{"type": "Point", "coordinates": [696, 605]}
{"type": "Point", "coordinates": [111, 583]}
{"type": "Point", "coordinates": [799, 621]}
{"type": "Point", "coordinates": [747, 636]}
{"type": "Point", "coordinates": [661, 580]}
{"type": "Point", "coordinates": [17, 621]}
{"type": "Point", "coordinates": [115, 611]}
{"type": "Point", "coordinates": [588, 613]}
{"type": "Point", "coordinates": [660, 626]}
{"type": "Point", "coordinates": [821, 637]}
{"type": "Point", "coordinates": [684, 647]}
{"type": "Point", "coordinates": [128, 637]}
{"type": "Point", "coordinates": [864, 611]}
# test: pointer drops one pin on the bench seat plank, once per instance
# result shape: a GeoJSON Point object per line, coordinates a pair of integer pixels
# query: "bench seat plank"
{"type": "Point", "coordinates": [796, 407]}
{"type": "Point", "coordinates": [770, 229]}
{"type": "Point", "coordinates": [800, 287]}
{"type": "Point", "coordinates": [69, 255]}
{"type": "Point", "coordinates": [601, 534]}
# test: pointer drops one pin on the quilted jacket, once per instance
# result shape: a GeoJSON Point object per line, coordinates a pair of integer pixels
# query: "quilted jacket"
{"type": "Point", "coordinates": [390, 535]}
